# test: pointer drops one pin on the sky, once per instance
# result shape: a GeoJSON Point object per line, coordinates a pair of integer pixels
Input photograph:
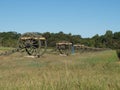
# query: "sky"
{"type": "Point", "coordinates": [78, 17]}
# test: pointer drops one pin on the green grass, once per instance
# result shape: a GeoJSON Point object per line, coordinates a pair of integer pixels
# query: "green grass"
{"type": "Point", "coordinates": [3, 49]}
{"type": "Point", "coordinates": [84, 71]}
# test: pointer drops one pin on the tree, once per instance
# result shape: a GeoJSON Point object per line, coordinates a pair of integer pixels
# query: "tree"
{"type": "Point", "coordinates": [9, 39]}
{"type": "Point", "coordinates": [109, 38]}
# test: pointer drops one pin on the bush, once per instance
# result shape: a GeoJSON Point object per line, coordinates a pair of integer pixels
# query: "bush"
{"type": "Point", "coordinates": [118, 53]}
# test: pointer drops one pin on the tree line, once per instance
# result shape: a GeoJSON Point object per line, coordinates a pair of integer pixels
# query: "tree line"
{"type": "Point", "coordinates": [108, 40]}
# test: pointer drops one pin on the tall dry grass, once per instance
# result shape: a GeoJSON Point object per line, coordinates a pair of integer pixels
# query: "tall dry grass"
{"type": "Point", "coordinates": [85, 71]}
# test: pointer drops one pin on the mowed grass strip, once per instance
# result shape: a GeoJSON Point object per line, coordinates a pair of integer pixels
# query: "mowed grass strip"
{"type": "Point", "coordinates": [84, 71]}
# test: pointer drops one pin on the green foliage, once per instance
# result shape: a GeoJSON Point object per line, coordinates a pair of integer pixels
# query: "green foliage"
{"type": "Point", "coordinates": [53, 38]}
{"type": "Point", "coordinates": [9, 39]}
{"type": "Point", "coordinates": [108, 40]}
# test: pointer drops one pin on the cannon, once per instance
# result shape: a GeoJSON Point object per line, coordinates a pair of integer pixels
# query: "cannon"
{"type": "Point", "coordinates": [32, 43]}
{"type": "Point", "coordinates": [64, 47]}
{"type": "Point", "coordinates": [83, 48]}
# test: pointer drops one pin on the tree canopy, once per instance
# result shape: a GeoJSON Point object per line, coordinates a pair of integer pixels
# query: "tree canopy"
{"type": "Point", "coordinates": [108, 40]}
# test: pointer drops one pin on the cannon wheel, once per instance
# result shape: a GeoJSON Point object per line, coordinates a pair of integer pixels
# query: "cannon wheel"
{"type": "Point", "coordinates": [65, 52]}
{"type": "Point", "coordinates": [36, 49]}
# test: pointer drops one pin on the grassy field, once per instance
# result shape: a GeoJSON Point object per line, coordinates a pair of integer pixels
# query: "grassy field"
{"type": "Point", "coordinates": [2, 49]}
{"type": "Point", "coordinates": [83, 71]}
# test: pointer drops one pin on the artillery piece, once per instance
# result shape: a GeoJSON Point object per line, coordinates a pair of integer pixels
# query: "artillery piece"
{"type": "Point", "coordinates": [32, 43]}
{"type": "Point", "coordinates": [64, 47]}
{"type": "Point", "coordinates": [83, 48]}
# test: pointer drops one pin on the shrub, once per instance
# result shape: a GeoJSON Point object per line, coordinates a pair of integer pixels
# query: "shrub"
{"type": "Point", "coordinates": [118, 53]}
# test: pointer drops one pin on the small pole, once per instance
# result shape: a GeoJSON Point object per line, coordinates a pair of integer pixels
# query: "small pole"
{"type": "Point", "coordinates": [73, 50]}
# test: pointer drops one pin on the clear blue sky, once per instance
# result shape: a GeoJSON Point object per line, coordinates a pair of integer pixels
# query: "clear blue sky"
{"type": "Point", "coordinates": [82, 17]}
